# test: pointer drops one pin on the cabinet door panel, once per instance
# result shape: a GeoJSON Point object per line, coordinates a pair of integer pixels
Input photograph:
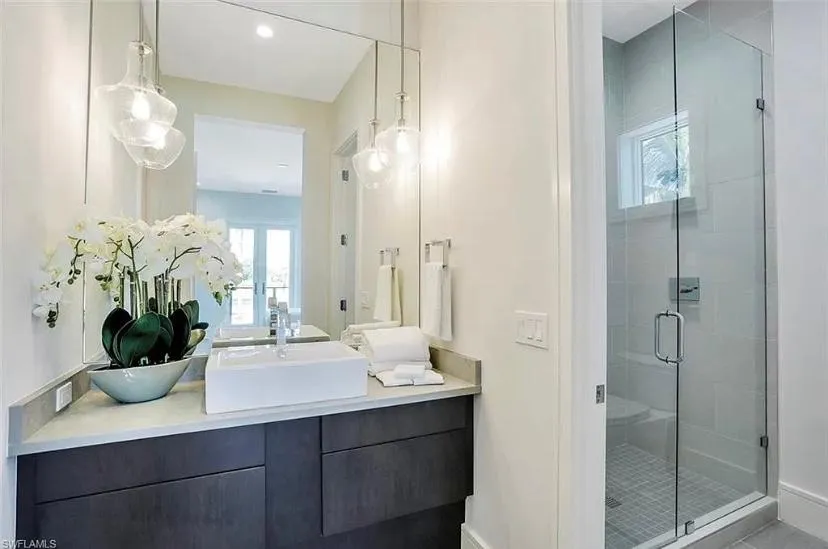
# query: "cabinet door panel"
{"type": "Point", "coordinates": [95, 469]}
{"type": "Point", "coordinates": [376, 483]}
{"type": "Point", "coordinates": [209, 512]}
{"type": "Point", "coordinates": [357, 429]}
{"type": "Point", "coordinates": [294, 477]}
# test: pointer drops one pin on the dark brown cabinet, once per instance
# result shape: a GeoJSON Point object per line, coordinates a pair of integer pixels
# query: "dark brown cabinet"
{"type": "Point", "coordinates": [393, 477]}
{"type": "Point", "coordinates": [210, 512]}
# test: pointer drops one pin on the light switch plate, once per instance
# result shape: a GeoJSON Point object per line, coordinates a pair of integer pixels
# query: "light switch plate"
{"type": "Point", "coordinates": [63, 396]}
{"type": "Point", "coordinates": [532, 329]}
{"type": "Point", "coordinates": [365, 300]}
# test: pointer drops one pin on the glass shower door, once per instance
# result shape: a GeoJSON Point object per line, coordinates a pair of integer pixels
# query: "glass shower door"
{"type": "Point", "coordinates": [647, 144]}
{"type": "Point", "coordinates": [721, 292]}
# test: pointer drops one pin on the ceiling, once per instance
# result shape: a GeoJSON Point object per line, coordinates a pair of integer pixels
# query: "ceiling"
{"type": "Point", "coordinates": [241, 156]}
{"type": "Point", "coordinates": [626, 19]}
{"type": "Point", "coordinates": [212, 41]}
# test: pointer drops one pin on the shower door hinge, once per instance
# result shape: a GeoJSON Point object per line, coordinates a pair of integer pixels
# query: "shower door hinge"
{"type": "Point", "coordinates": [600, 394]}
{"type": "Point", "coordinates": [689, 527]}
{"type": "Point", "coordinates": [760, 104]}
{"type": "Point", "coordinates": [763, 441]}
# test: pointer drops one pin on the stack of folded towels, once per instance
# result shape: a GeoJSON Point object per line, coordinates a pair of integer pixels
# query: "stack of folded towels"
{"type": "Point", "coordinates": [353, 334]}
{"type": "Point", "coordinates": [399, 356]}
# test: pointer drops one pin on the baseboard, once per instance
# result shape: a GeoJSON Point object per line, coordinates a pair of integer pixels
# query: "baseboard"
{"type": "Point", "coordinates": [469, 539]}
{"type": "Point", "coordinates": [804, 510]}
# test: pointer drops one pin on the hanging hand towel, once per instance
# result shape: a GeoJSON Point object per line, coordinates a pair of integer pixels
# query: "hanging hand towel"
{"type": "Point", "coordinates": [436, 304]}
{"type": "Point", "coordinates": [387, 299]}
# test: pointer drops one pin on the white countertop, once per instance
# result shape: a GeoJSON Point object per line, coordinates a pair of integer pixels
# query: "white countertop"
{"type": "Point", "coordinates": [97, 419]}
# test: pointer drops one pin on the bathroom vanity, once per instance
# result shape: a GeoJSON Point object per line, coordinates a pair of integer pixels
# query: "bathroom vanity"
{"type": "Point", "coordinates": [387, 470]}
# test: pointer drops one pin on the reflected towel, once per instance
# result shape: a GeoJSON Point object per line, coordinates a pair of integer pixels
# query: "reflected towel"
{"type": "Point", "coordinates": [387, 299]}
{"type": "Point", "coordinates": [436, 304]}
{"type": "Point", "coordinates": [389, 379]}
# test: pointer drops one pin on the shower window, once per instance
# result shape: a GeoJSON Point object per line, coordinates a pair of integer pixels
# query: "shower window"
{"type": "Point", "coordinates": [648, 170]}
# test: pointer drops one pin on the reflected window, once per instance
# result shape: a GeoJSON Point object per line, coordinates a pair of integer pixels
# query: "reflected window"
{"type": "Point", "coordinates": [653, 163]}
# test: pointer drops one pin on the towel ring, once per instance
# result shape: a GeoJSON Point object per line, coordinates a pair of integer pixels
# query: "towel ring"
{"type": "Point", "coordinates": [445, 244]}
{"type": "Point", "coordinates": [390, 252]}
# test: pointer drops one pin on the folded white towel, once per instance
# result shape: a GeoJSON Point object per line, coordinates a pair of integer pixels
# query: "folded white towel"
{"type": "Point", "coordinates": [359, 328]}
{"type": "Point", "coordinates": [406, 344]}
{"type": "Point", "coordinates": [430, 377]}
{"type": "Point", "coordinates": [411, 371]}
{"type": "Point", "coordinates": [387, 305]}
{"type": "Point", "coordinates": [436, 306]}
{"type": "Point", "coordinates": [376, 367]}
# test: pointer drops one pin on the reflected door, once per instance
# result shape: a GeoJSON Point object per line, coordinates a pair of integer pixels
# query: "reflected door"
{"type": "Point", "coordinates": [267, 257]}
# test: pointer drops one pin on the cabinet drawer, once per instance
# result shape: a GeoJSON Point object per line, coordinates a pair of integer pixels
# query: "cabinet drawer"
{"type": "Point", "coordinates": [357, 429]}
{"type": "Point", "coordinates": [95, 469]}
{"type": "Point", "coordinates": [210, 512]}
{"type": "Point", "coordinates": [376, 483]}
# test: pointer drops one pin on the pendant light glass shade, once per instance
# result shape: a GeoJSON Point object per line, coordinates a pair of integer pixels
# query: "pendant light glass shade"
{"type": "Point", "coordinates": [135, 112]}
{"type": "Point", "coordinates": [401, 146]}
{"type": "Point", "coordinates": [160, 154]}
{"type": "Point", "coordinates": [371, 165]}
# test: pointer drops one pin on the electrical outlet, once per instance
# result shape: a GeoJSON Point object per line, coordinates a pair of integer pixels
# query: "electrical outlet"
{"type": "Point", "coordinates": [63, 396]}
{"type": "Point", "coordinates": [532, 329]}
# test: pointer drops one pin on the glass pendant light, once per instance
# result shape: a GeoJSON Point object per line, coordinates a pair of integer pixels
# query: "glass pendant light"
{"type": "Point", "coordinates": [401, 142]}
{"type": "Point", "coordinates": [135, 112]}
{"type": "Point", "coordinates": [371, 163]}
{"type": "Point", "coordinates": [166, 147]}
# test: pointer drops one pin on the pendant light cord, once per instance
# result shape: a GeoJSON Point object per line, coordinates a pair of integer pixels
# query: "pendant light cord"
{"type": "Point", "coordinates": [376, 76]}
{"type": "Point", "coordinates": [402, 95]}
{"type": "Point", "coordinates": [157, 42]}
{"type": "Point", "coordinates": [375, 120]}
{"type": "Point", "coordinates": [402, 46]}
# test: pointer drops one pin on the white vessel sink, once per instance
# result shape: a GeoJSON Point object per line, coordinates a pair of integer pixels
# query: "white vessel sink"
{"type": "Point", "coordinates": [244, 378]}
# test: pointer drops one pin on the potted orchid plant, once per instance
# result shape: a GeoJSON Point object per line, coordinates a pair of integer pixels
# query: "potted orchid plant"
{"type": "Point", "coordinates": [151, 332]}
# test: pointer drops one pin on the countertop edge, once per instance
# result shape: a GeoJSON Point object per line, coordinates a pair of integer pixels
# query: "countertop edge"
{"type": "Point", "coordinates": [222, 421]}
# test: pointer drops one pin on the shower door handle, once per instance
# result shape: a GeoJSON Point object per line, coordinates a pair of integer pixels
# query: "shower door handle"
{"type": "Point", "coordinates": [679, 337]}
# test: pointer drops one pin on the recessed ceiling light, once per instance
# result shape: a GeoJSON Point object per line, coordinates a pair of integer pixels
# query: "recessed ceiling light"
{"type": "Point", "coordinates": [282, 165]}
{"type": "Point", "coordinates": [264, 31]}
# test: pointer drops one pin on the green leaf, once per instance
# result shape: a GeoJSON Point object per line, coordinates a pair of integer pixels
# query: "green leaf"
{"type": "Point", "coordinates": [196, 337]}
{"type": "Point", "coordinates": [181, 334]}
{"type": "Point", "coordinates": [137, 339]}
{"type": "Point", "coordinates": [192, 310]}
{"type": "Point", "coordinates": [201, 326]}
{"type": "Point", "coordinates": [115, 320]}
{"type": "Point", "coordinates": [159, 351]}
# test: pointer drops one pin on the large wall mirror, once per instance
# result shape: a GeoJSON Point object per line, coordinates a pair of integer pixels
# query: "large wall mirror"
{"type": "Point", "coordinates": [273, 109]}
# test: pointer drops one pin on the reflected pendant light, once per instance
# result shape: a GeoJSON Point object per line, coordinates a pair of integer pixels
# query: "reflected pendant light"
{"type": "Point", "coordinates": [371, 163]}
{"type": "Point", "coordinates": [401, 142]}
{"type": "Point", "coordinates": [162, 151]}
{"type": "Point", "coordinates": [135, 112]}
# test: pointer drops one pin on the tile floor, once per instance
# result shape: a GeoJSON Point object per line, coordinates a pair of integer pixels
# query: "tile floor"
{"type": "Point", "coordinates": [780, 536]}
{"type": "Point", "coordinates": [641, 497]}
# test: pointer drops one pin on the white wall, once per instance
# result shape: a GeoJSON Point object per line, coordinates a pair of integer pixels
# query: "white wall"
{"type": "Point", "coordinates": [388, 216]}
{"type": "Point", "coordinates": [44, 109]}
{"type": "Point", "coordinates": [490, 184]}
{"type": "Point", "coordinates": [801, 79]}
{"type": "Point", "coordinates": [44, 124]}
{"type": "Point", "coordinates": [172, 191]}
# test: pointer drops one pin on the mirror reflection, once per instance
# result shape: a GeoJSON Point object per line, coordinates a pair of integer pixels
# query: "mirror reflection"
{"type": "Point", "coordinates": [273, 111]}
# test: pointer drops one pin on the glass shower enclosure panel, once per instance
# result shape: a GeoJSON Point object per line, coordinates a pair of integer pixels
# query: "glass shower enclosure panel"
{"type": "Point", "coordinates": [686, 417]}
{"type": "Point", "coordinates": [721, 292]}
